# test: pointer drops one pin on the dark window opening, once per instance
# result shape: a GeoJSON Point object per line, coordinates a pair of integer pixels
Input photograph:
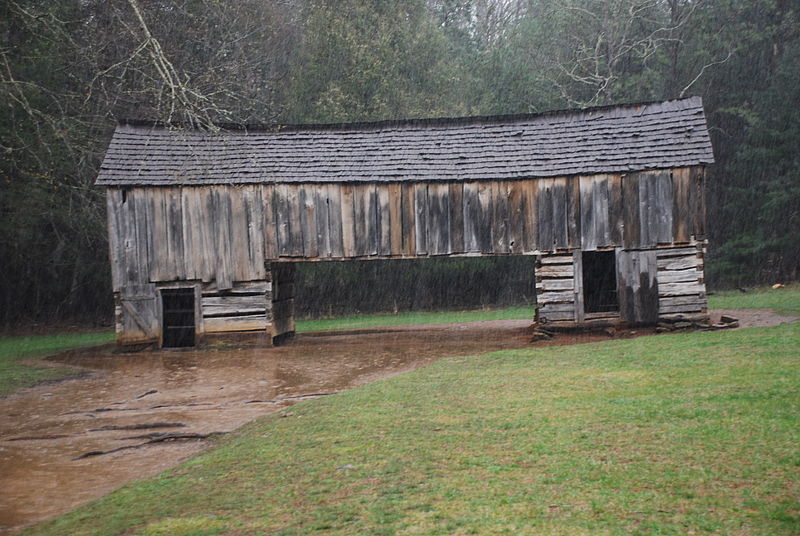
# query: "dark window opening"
{"type": "Point", "coordinates": [177, 306]}
{"type": "Point", "coordinates": [599, 282]}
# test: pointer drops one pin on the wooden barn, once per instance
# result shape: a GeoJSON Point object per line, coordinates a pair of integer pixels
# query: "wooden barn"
{"type": "Point", "coordinates": [205, 227]}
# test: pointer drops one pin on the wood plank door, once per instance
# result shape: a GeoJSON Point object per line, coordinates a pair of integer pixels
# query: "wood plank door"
{"type": "Point", "coordinates": [637, 288]}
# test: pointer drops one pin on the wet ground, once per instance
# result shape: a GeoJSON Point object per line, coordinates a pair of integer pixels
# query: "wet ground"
{"type": "Point", "coordinates": [133, 415]}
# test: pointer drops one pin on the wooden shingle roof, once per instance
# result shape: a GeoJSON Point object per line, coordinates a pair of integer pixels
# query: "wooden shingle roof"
{"type": "Point", "coordinates": [613, 139]}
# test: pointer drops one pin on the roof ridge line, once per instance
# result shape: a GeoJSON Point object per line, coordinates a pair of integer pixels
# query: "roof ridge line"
{"type": "Point", "coordinates": [430, 121]}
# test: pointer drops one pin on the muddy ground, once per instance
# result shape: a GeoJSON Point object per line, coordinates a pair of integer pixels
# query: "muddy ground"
{"type": "Point", "coordinates": [133, 415]}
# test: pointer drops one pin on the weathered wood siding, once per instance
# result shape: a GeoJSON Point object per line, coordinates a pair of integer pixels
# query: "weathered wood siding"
{"type": "Point", "coordinates": [225, 233]}
{"type": "Point", "coordinates": [681, 284]}
{"type": "Point", "coordinates": [246, 307]}
{"type": "Point", "coordinates": [662, 283]}
{"type": "Point", "coordinates": [555, 288]}
{"type": "Point", "coordinates": [224, 238]}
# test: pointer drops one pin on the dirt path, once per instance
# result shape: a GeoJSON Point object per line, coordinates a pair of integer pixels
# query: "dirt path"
{"type": "Point", "coordinates": [753, 318]}
{"type": "Point", "coordinates": [64, 444]}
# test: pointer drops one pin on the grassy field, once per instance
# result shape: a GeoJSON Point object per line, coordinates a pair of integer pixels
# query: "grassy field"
{"type": "Point", "coordinates": [400, 319]}
{"type": "Point", "coordinates": [15, 374]}
{"type": "Point", "coordinates": [690, 433]}
{"type": "Point", "coordinates": [782, 300]}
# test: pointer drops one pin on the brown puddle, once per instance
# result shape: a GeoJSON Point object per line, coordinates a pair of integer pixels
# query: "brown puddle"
{"type": "Point", "coordinates": [178, 397]}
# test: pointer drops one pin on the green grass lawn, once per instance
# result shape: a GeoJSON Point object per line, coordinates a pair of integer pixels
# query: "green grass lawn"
{"type": "Point", "coordinates": [782, 300]}
{"type": "Point", "coordinates": [15, 374]}
{"type": "Point", "coordinates": [400, 319]}
{"type": "Point", "coordinates": [690, 433]}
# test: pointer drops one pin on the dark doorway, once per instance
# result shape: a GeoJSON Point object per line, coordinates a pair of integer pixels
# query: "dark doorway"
{"type": "Point", "coordinates": [599, 282]}
{"type": "Point", "coordinates": [177, 306]}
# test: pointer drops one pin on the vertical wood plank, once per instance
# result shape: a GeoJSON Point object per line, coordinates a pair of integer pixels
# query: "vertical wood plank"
{"type": "Point", "coordinates": [160, 262]}
{"type": "Point", "coordinates": [384, 220]}
{"type": "Point", "coordinates": [394, 192]}
{"type": "Point", "coordinates": [699, 208]}
{"type": "Point", "coordinates": [637, 288]}
{"type": "Point", "coordinates": [577, 263]}
{"type": "Point", "coordinates": [348, 221]}
{"type": "Point", "coordinates": [664, 203]}
{"type": "Point", "coordinates": [646, 216]}
{"type": "Point", "coordinates": [240, 234]}
{"type": "Point", "coordinates": [615, 210]}
{"type": "Point", "coordinates": [205, 205]}
{"type": "Point", "coordinates": [648, 298]}
{"type": "Point", "coordinates": [630, 211]}
{"type": "Point", "coordinates": [531, 191]}
{"type": "Point", "coordinates": [254, 226]}
{"type": "Point", "coordinates": [361, 216]}
{"type": "Point", "coordinates": [321, 220]}
{"type": "Point", "coordinates": [544, 210]}
{"type": "Point", "coordinates": [194, 236]}
{"type": "Point", "coordinates": [335, 228]}
{"type": "Point", "coordinates": [438, 240]}
{"type": "Point", "coordinates": [409, 212]}
{"type": "Point", "coordinates": [603, 217]}
{"type": "Point", "coordinates": [485, 217]}
{"type": "Point", "coordinates": [175, 231]}
{"type": "Point", "coordinates": [143, 214]}
{"type": "Point", "coordinates": [223, 238]}
{"type": "Point", "coordinates": [472, 217]}
{"type": "Point", "coordinates": [421, 217]}
{"type": "Point", "coordinates": [296, 214]}
{"type": "Point", "coordinates": [117, 234]}
{"type": "Point", "coordinates": [373, 220]}
{"type": "Point", "coordinates": [560, 214]}
{"type": "Point", "coordinates": [588, 224]}
{"type": "Point", "coordinates": [308, 220]}
{"type": "Point", "coordinates": [334, 201]}
{"type": "Point", "coordinates": [127, 221]}
{"type": "Point", "coordinates": [456, 195]}
{"type": "Point", "coordinates": [516, 217]}
{"type": "Point", "coordinates": [500, 217]}
{"type": "Point", "coordinates": [282, 218]}
{"type": "Point", "coordinates": [269, 226]}
{"type": "Point", "coordinates": [573, 212]}
{"type": "Point", "coordinates": [680, 205]}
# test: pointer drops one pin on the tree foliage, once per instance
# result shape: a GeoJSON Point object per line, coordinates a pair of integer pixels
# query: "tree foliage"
{"type": "Point", "coordinates": [370, 61]}
{"type": "Point", "coordinates": [69, 69]}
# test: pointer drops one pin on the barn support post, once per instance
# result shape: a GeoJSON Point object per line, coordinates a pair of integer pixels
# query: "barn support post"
{"type": "Point", "coordinates": [282, 317]}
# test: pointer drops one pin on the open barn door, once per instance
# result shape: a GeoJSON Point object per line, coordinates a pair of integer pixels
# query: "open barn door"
{"type": "Point", "coordinates": [637, 286]}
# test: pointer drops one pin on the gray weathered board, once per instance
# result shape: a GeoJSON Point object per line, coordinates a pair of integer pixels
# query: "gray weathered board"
{"type": "Point", "coordinates": [662, 282]}
{"type": "Point", "coordinates": [223, 238]}
{"type": "Point", "coordinates": [225, 234]}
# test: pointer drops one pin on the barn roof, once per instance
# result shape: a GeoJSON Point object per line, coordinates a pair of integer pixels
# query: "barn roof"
{"type": "Point", "coordinates": [609, 139]}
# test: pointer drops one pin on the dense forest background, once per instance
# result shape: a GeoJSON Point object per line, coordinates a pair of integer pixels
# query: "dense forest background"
{"type": "Point", "coordinates": [69, 69]}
